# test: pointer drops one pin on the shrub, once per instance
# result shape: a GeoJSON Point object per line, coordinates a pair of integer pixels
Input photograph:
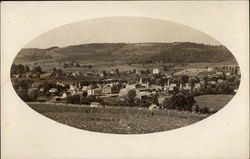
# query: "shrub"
{"type": "Point", "coordinates": [23, 95]}
{"type": "Point", "coordinates": [167, 103]}
{"type": "Point", "coordinates": [75, 99]}
{"type": "Point", "coordinates": [84, 100]}
{"type": "Point", "coordinates": [143, 103]}
{"type": "Point", "coordinates": [196, 108]}
{"type": "Point", "coordinates": [32, 94]}
{"type": "Point", "coordinates": [204, 110]}
{"type": "Point", "coordinates": [111, 101]}
{"type": "Point", "coordinates": [183, 101]}
{"type": "Point", "coordinates": [131, 97]}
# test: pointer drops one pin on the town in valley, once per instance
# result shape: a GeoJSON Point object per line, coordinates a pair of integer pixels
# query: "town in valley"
{"type": "Point", "coordinates": [152, 87]}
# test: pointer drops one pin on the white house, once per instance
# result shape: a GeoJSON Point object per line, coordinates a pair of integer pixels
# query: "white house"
{"type": "Point", "coordinates": [152, 107]}
{"type": "Point", "coordinates": [156, 71]}
{"type": "Point", "coordinates": [53, 90]}
{"type": "Point", "coordinates": [171, 86]}
{"type": "Point", "coordinates": [65, 95]}
{"type": "Point", "coordinates": [210, 69]}
{"type": "Point", "coordinates": [95, 104]}
{"type": "Point", "coordinates": [197, 85]}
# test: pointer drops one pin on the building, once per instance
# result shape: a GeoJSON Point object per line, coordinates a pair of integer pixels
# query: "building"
{"type": "Point", "coordinates": [228, 73]}
{"type": "Point", "coordinates": [144, 82]}
{"type": "Point", "coordinates": [65, 95]}
{"type": "Point", "coordinates": [220, 80]}
{"type": "Point", "coordinates": [197, 85]}
{"type": "Point", "coordinates": [142, 93]}
{"type": "Point", "coordinates": [153, 107]}
{"type": "Point", "coordinates": [37, 84]}
{"type": "Point", "coordinates": [61, 84]}
{"type": "Point", "coordinates": [72, 90]}
{"type": "Point", "coordinates": [156, 71]}
{"type": "Point", "coordinates": [172, 86]}
{"type": "Point", "coordinates": [210, 69]}
{"type": "Point", "coordinates": [219, 73]}
{"type": "Point", "coordinates": [95, 104]}
{"type": "Point", "coordinates": [75, 74]}
{"type": "Point", "coordinates": [187, 87]}
{"type": "Point", "coordinates": [107, 89]}
{"type": "Point", "coordinates": [95, 92]}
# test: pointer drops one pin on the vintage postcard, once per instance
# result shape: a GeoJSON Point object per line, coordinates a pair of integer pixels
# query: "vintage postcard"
{"type": "Point", "coordinates": [125, 79]}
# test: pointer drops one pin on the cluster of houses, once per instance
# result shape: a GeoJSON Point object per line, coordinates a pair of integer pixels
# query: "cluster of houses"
{"type": "Point", "coordinates": [143, 85]}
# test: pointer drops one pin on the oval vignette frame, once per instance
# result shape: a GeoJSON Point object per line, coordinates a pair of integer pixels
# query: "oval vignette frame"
{"type": "Point", "coordinates": [125, 75]}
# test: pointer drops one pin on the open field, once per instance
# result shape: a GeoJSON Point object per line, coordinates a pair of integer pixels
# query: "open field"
{"type": "Point", "coordinates": [118, 120]}
{"type": "Point", "coordinates": [213, 101]}
{"type": "Point", "coordinates": [190, 72]}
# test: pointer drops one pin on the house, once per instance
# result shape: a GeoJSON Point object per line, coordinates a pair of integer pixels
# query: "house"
{"type": "Point", "coordinates": [220, 80]}
{"type": "Point", "coordinates": [197, 85]}
{"type": "Point", "coordinates": [85, 88]}
{"type": "Point", "coordinates": [138, 72]}
{"type": "Point", "coordinates": [29, 75]}
{"type": "Point", "coordinates": [41, 89]}
{"type": "Point", "coordinates": [212, 82]}
{"type": "Point", "coordinates": [53, 90]}
{"type": "Point", "coordinates": [228, 73]}
{"type": "Point", "coordinates": [95, 92]}
{"type": "Point", "coordinates": [142, 93]}
{"type": "Point", "coordinates": [144, 82]}
{"type": "Point", "coordinates": [210, 69]}
{"type": "Point", "coordinates": [187, 87]}
{"type": "Point", "coordinates": [107, 89]}
{"type": "Point", "coordinates": [172, 86]}
{"type": "Point", "coordinates": [88, 73]}
{"type": "Point", "coordinates": [156, 71]}
{"type": "Point", "coordinates": [75, 74]}
{"type": "Point", "coordinates": [153, 107]}
{"type": "Point", "coordinates": [95, 104]}
{"type": "Point", "coordinates": [112, 72]}
{"type": "Point", "coordinates": [65, 95]}
{"type": "Point", "coordinates": [36, 84]}
{"type": "Point", "coordinates": [17, 76]}
{"type": "Point", "coordinates": [72, 89]}
{"type": "Point", "coordinates": [61, 84]}
{"type": "Point", "coordinates": [102, 75]}
{"type": "Point", "coordinates": [219, 73]}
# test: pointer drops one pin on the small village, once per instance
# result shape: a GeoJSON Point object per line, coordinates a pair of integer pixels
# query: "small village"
{"type": "Point", "coordinates": [151, 88]}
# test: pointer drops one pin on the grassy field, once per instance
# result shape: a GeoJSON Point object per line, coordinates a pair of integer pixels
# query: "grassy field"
{"type": "Point", "coordinates": [117, 120]}
{"type": "Point", "coordinates": [213, 101]}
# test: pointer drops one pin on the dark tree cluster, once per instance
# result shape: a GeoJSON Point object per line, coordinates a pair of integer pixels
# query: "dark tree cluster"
{"type": "Point", "coordinates": [180, 101]}
{"type": "Point", "coordinates": [37, 70]}
{"type": "Point", "coordinates": [24, 84]}
{"type": "Point", "coordinates": [28, 96]}
{"type": "Point", "coordinates": [57, 72]}
{"type": "Point", "coordinates": [82, 99]}
{"type": "Point", "coordinates": [19, 69]}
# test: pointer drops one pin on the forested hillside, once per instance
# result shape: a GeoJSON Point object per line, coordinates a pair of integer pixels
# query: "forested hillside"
{"type": "Point", "coordinates": [130, 53]}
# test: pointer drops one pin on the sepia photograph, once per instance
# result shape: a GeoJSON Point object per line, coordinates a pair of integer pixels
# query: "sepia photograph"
{"type": "Point", "coordinates": [125, 75]}
{"type": "Point", "coordinates": [124, 80]}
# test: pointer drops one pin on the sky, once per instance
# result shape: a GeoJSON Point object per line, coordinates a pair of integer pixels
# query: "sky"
{"type": "Point", "coordinates": [119, 29]}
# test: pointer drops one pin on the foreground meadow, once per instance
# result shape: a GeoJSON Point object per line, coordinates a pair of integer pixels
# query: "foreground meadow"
{"type": "Point", "coordinates": [117, 120]}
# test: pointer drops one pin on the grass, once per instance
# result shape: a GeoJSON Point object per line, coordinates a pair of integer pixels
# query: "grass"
{"type": "Point", "coordinates": [117, 120]}
{"type": "Point", "coordinates": [213, 101]}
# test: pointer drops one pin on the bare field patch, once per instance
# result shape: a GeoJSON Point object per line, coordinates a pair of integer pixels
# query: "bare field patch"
{"type": "Point", "coordinates": [213, 101]}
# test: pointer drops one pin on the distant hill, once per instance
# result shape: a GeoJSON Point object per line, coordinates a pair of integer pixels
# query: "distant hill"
{"type": "Point", "coordinates": [178, 52]}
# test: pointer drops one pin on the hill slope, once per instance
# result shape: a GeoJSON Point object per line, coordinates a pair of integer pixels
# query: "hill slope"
{"type": "Point", "coordinates": [130, 53]}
